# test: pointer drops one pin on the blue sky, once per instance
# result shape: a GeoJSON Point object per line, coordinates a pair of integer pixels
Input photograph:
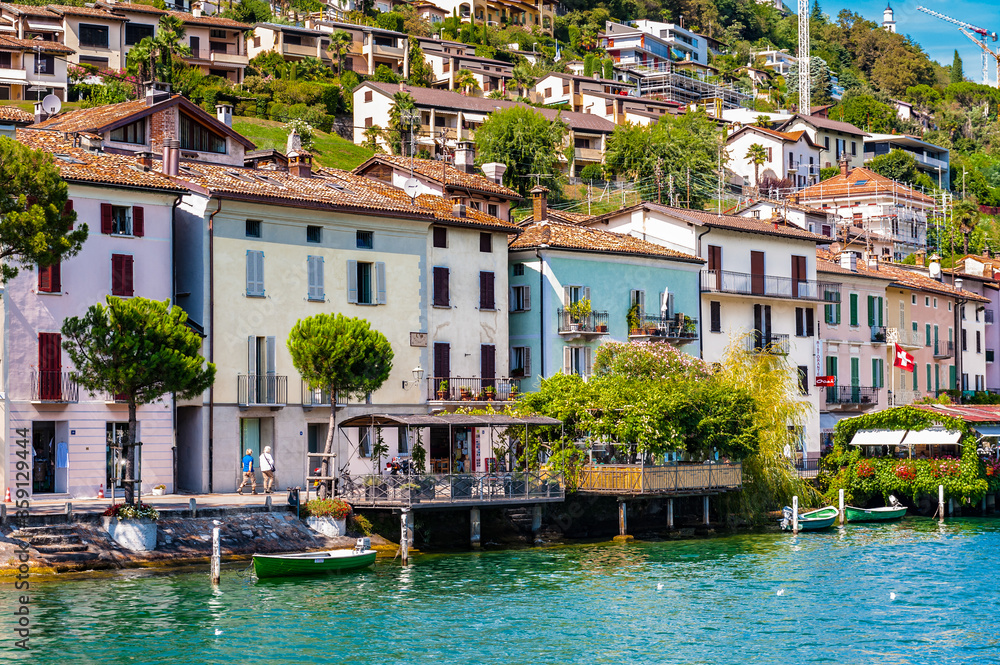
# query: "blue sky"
{"type": "Point", "coordinates": [938, 38]}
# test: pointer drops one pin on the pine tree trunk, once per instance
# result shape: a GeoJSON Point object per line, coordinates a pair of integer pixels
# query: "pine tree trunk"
{"type": "Point", "coordinates": [325, 488]}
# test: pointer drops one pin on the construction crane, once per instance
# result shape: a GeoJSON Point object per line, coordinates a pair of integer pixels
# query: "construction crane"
{"type": "Point", "coordinates": [982, 41]}
{"type": "Point", "coordinates": [805, 63]}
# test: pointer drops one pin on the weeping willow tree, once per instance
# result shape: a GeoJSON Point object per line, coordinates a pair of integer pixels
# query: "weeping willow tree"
{"type": "Point", "coordinates": [770, 479]}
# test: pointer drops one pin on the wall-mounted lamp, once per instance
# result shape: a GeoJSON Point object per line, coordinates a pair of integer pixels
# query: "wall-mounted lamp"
{"type": "Point", "coordinates": [418, 374]}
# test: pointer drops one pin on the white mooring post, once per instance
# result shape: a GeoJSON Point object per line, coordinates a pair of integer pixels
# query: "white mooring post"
{"type": "Point", "coordinates": [843, 516]}
{"type": "Point", "coordinates": [404, 536]}
{"type": "Point", "coordinates": [216, 557]}
{"type": "Point", "coordinates": [795, 514]}
{"type": "Point", "coordinates": [670, 513]}
{"type": "Point", "coordinates": [705, 516]}
{"type": "Point", "coordinates": [475, 527]}
{"type": "Point", "coordinates": [941, 502]}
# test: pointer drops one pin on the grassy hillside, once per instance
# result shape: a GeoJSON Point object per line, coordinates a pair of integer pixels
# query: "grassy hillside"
{"type": "Point", "coordinates": [330, 149]}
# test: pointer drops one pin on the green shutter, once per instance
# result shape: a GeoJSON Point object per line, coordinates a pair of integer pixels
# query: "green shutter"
{"type": "Point", "coordinates": [871, 310]}
{"type": "Point", "coordinates": [952, 377]}
{"type": "Point", "coordinates": [937, 378]}
{"type": "Point", "coordinates": [916, 378]}
{"type": "Point", "coordinates": [927, 334]}
{"type": "Point", "coordinates": [831, 366]}
{"type": "Point", "coordinates": [881, 309]}
{"type": "Point", "coordinates": [854, 309]}
{"type": "Point", "coordinates": [928, 376]}
{"type": "Point", "coordinates": [855, 371]}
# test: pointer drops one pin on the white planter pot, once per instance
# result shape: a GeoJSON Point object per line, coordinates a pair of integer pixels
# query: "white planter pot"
{"type": "Point", "coordinates": [133, 535]}
{"type": "Point", "coordinates": [328, 526]}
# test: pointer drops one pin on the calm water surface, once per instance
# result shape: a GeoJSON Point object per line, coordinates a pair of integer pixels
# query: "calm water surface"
{"type": "Point", "coordinates": [763, 598]}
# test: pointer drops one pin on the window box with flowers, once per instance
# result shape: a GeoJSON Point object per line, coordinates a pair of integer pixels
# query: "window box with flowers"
{"type": "Point", "coordinates": [327, 516]}
{"type": "Point", "coordinates": [132, 527]}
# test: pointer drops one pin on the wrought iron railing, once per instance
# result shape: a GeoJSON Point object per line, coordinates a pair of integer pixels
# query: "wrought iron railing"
{"type": "Point", "coordinates": [905, 337]}
{"type": "Point", "coordinates": [262, 390]}
{"type": "Point", "coordinates": [594, 322]}
{"type": "Point", "coordinates": [474, 389]}
{"type": "Point", "coordinates": [53, 386]}
{"type": "Point", "coordinates": [878, 334]}
{"type": "Point", "coordinates": [676, 327]}
{"type": "Point", "coordinates": [642, 479]}
{"type": "Point", "coordinates": [451, 488]}
{"type": "Point", "coordinates": [313, 398]}
{"type": "Point", "coordinates": [944, 349]}
{"type": "Point", "coordinates": [724, 281]}
{"type": "Point", "coordinates": [775, 344]}
{"type": "Point", "coordinates": [866, 395]}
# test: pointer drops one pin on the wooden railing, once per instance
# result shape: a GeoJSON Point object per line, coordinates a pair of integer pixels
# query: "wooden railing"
{"type": "Point", "coordinates": [672, 479]}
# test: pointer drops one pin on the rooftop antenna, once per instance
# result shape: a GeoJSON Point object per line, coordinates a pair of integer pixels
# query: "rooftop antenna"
{"type": "Point", "coordinates": [805, 85]}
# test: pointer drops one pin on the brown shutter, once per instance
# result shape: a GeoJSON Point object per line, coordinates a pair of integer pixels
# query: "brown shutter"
{"type": "Point", "coordinates": [50, 366]}
{"type": "Point", "coordinates": [810, 322]}
{"type": "Point", "coordinates": [485, 242]}
{"type": "Point", "coordinates": [488, 364]}
{"type": "Point", "coordinates": [138, 222]}
{"type": "Point", "coordinates": [798, 273]}
{"type": "Point", "coordinates": [45, 279]}
{"type": "Point", "coordinates": [715, 308]}
{"type": "Point", "coordinates": [487, 298]}
{"type": "Point", "coordinates": [117, 261]}
{"type": "Point", "coordinates": [442, 361]}
{"type": "Point", "coordinates": [127, 282]}
{"type": "Point", "coordinates": [757, 272]}
{"type": "Point", "coordinates": [106, 221]}
{"type": "Point", "coordinates": [715, 264]}
{"type": "Point", "coordinates": [441, 295]}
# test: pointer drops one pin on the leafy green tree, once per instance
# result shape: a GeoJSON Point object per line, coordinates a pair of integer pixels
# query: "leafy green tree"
{"type": "Point", "coordinates": [465, 82]}
{"type": "Point", "coordinates": [340, 42]}
{"type": "Point", "coordinates": [343, 356]}
{"type": "Point", "coordinates": [865, 112]}
{"type": "Point", "coordinates": [168, 44]}
{"type": "Point", "coordinates": [526, 142]}
{"type": "Point", "coordinates": [384, 74]}
{"type": "Point", "coordinates": [372, 135]}
{"type": "Point", "coordinates": [757, 154]}
{"type": "Point", "coordinates": [897, 165]}
{"type": "Point", "coordinates": [403, 117]}
{"type": "Point", "coordinates": [421, 73]}
{"type": "Point", "coordinates": [820, 84]}
{"type": "Point", "coordinates": [140, 349]}
{"type": "Point", "coordinates": [956, 75]}
{"type": "Point", "coordinates": [35, 227]}
{"type": "Point", "coordinates": [249, 12]}
{"type": "Point", "coordinates": [523, 77]}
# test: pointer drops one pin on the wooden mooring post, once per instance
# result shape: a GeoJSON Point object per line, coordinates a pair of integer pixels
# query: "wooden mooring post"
{"type": "Point", "coordinates": [941, 502]}
{"type": "Point", "coordinates": [216, 556]}
{"type": "Point", "coordinates": [705, 516]}
{"type": "Point", "coordinates": [622, 518]}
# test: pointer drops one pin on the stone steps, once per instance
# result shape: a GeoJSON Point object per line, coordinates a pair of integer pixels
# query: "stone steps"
{"type": "Point", "coordinates": [56, 543]}
{"type": "Point", "coordinates": [71, 557]}
{"type": "Point", "coordinates": [61, 548]}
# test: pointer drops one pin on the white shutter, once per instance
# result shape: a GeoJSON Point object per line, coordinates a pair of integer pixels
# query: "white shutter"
{"type": "Point", "coordinates": [315, 270]}
{"type": "Point", "coordinates": [641, 299]}
{"type": "Point", "coordinates": [527, 361]}
{"type": "Point", "coordinates": [251, 273]}
{"type": "Point", "coordinates": [352, 281]}
{"type": "Point", "coordinates": [586, 293]}
{"type": "Point", "coordinates": [380, 282]}
{"type": "Point", "coordinates": [260, 272]}
{"type": "Point", "coordinates": [567, 297]}
{"type": "Point", "coordinates": [670, 305]}
{"type": "Point", "coordinates": [567, 360]}
{"type": "Point", "coordinates": [586, 362]}
{"type": "Point", "coordinates": [271, 354]}
{"type": "Point", "coordinates": [251, 355]}
{"type": "Point", "coordinates": [526, 290]}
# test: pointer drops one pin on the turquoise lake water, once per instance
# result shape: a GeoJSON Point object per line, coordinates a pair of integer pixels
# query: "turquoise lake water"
{"type": "Point", "coordinates": [759, 598]}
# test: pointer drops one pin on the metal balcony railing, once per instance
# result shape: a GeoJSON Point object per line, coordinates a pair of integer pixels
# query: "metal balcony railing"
{"type": "Point", "coordinates": [878, 334]}
{"type": "Point", "coordinates": [775, 344]}
{"type": "Point", "coordinates": [314, 398]}
{"type": "Point", "coordinates": [740, 283]}
{"type": "Point", "coordinates": [474, 389]}
{"type": "Point", "coordinates": [864, 395]}
{"type": "Point", "coordinates": [53, 386]}
{"type": "Point", "coordinates": [944, 349]}
{"type": "Point", "coordinates": [676, 327]}
{"type": "Point", "coordinates": [453, 488]}
{"type": "Point", "coordinates": [594, 323]}
{"type": "Point", "coordinates": [905, 337]}
{"type": "Point", "coordinates": [262, 390]}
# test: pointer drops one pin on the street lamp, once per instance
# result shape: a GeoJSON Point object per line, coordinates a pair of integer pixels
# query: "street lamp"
{"type": "Point", "coordinates": [418, 374]}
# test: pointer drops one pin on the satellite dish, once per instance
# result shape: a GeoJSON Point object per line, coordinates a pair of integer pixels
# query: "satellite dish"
{"type": "Point", "coordinates": [51, 104]}
{"type": "Point", "coordinates": [411, 187]}
{"type": "Point", "coordinates": [934, 269]}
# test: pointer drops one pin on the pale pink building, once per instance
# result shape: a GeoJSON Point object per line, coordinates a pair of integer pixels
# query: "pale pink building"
{"type": "Point", "coordinates": [68, 431]}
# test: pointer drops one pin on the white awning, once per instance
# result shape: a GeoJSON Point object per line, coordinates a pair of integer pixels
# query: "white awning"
{"type": "Point", "coordinates": [44, 25]}
{"type": "Point", "coordinates": [474, 117]}
{"type": "Point", "coordinates": [878, 437]}
{"type": "Point", "coordinates": [935, 436]}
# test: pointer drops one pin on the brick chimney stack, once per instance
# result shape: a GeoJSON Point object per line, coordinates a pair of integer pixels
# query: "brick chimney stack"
{"type": "Point", "coordinates": [300, 163]}
{"type": "Point", "coordinates": [845, 166]}
{"type": "Point", "coordinates": [539, 203]}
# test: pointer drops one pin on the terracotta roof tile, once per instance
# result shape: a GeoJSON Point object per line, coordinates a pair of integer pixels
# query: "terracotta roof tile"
{"type": "Point", "coordinates": [14, 114]}
{"type": "Point", "coordinates": [832, 267]}
{"type": "Point", "coordinates": [92, 119]}
{"type": "Point", "coordinates": [212, 21]}
{"type": "Point", "coordinates": [93, 12]}
{"type": "Point", "coordinates": [570, 236]}
{"type": "Point", "coordinates": [132, 7]}
{"type": "Point", "coordinates": [29, 10]}
{"type": "Point", "coordinates": [871, 184]}
{"type": "Point", "coordinates": [80, 165]}
{"type": "Point", "coordinates": [433, 169]}
{"type": "Point", "coordinates": [825, 123]}
{"type": "Point", "coordinates": [31, 44]}
{"type": "Point", "coordinates": [577, 218]}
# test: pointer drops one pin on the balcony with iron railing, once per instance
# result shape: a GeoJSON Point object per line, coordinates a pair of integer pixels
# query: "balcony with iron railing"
{"type": "Point", "coordinates": [944, 350]}
{"type": "Point", "coordinates": [53, 387]}
{"type": "Point", "coordinates": [317, 398]}
{"type": "Point", "coordinates": [768, 286]}
{"type": "Point", "coordinates": [852, 395]}
{"type": "Point", "coordinates": [878, 334]}
{"type": "Point", "coordinates": [593, 324]}
{"type": "Point", "coordinates": [472, 389]}
{"type": "Point", "coordinates": [905, 337]}
{"type": "Point", "coordinates": [262, 390]}
{"type": "Point", "coordinates": [677, 327]}
{"type": "Point", "coordinates": [773, 343]}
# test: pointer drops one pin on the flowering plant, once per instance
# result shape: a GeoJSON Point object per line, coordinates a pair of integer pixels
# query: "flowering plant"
{"type": "Point", "coordinates": [126, 511]}
{"type": "Point", "coordinates": [946, 467]}
{"type": "Point", "coordinates": [865, 469]}
{"type": "Point", "coordinates": [905, 472]}
{"type": "Point", "coordinates": [993, 468]}
{"type": "Point", "coordinates": [335, 508]}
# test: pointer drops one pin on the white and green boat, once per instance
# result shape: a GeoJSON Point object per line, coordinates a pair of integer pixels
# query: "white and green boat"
{"type": "Point", "coordinates": [313, 563]}
{"type": "Point", "coordinates": [894, 511]}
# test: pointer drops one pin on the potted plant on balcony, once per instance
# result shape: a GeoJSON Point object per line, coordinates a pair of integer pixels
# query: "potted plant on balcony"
{"type": "Point", "coordinates": [632, 318]}
{"type": "Point", "coordinates": [132, 526]}
{"type": "Point", "coordinates": [689, 329]}
{"type": "Point", "coordinates": [490, 392]}
{"type": "Point", "coordinates": [442, 390]}
{"type": "Point", "coordinates": [513, 390]}
{"type": "Point", "coordinates": [465, 393]}
{"type": "Point", "coordinates": [578, 312]}
{"type": "Point", "coordinates": [327, 516]}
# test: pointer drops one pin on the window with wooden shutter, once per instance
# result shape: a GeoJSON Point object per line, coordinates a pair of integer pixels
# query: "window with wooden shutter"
{"type": "Point", "coordinates": [50, 278]}
{"type": "Point", "coordinates": [107, 222]}
{"type": "Point", "coordinates": [314, 267]}
{"type": "Point", "coordinates": [520, 298]}
{"type": "Point", "coordinates": [380, 284]}
{"type": "Point", "coordinates": [255, 273]}
{"type": "Point", "coordinates": [121, 275]}
{"type": "Point", "coordinates": [800, 322]}
{"type": "Point", "coordinates": [441, 293]}
{"type": "Point", "coordinates": [488, 364]}
{"type": "Point", "coordinates": [854, 309]}
{"type": "Point", "coordinates": [138, 222]}
{"type": "Point", "coordinates": [487, 292]}
{"type": "Point", "coordinates": [50, 366]}
{"type": "Point", "coordinates": [810, 322]}
{"type": "Point", "coordinates": [440, 236]}
{"type": "Point", "coordinates": [352, 281]}
{"type": "Point", "coordinates": [486, 241]}
{"type": "Point", "coordinates": [715, 316]}
{"type": "Point", "coordinates": [442, 361]}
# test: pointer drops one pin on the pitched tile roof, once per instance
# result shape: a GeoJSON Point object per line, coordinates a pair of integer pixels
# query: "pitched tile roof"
{"type": "Point", "coordinates": [860, 182]}
{"type": "Point", "coordinates": [14, 114]}
{"type": "Point", "coordinates": [453, 101]}
{"type": "Point", "coordinates": [970, 413]}
{"type": "Point", "coordinates": [92, 12]}
{"type": "Point", "coordinates": [133, 7]}
{"type": "Point", "coordinates": [832, 267]}
{"type": "Point", "coordinates": [560, 235]}
{"type": "Point", "coordinates": [820, 122]}
{"type": "Point", "coordinates": [32, 44]}
{"type": "Point", "coordinates": [80, 165]}
{"type": "Point", "coordinates": [211, 21]}
{"type": "Point", "coordinates": [433, 169]}
{"type": "Point", "coordinates": [29, 10]}
{"type": "Point", "coordinates": [577, 218]}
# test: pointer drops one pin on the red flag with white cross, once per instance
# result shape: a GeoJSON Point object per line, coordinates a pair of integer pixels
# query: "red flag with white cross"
{"type": "Point", "coordinates": [903, 359]}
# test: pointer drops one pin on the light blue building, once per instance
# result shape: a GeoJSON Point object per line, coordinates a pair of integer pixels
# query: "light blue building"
{"type": "Point", "coordinates": [637, 290]}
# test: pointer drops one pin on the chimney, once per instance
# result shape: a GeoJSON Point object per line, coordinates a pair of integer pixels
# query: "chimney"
{"type": "Point", "coordinates": [156, 92]}
{"type": "Point", "coordinates": [458, 210]}
{"type": "Point", "coordinates": [873, 262]}
{"type": "Point", "coordinates": [224, 112]}
{"type": "Point", "coordinates": [465, 156]}
{"type": "Point", "coordinates": [40, 115]}
{"type": "Point", "coordinates": [845, 166]}
{"type": "Point", "coordinates": [196, 9]}
{"type": "Point", "coordinates": [959, 283]}
{"type": "Point", "coordinates": [300, 163]}
{"type": "Point", "coordinates": [849, 261]}
{"type": "Point", "coordinates": [919, 256]}
{"type": "Point", "coordinates": [171, 156]}
{"type": "Point", "coordinates": [294, 143]}
{"type": "Point", "coordinates": [494, 171]}
{"type": "Point", "coordinates": [145, 159]}
{"type": "Point", "coordinates": [539, 203]}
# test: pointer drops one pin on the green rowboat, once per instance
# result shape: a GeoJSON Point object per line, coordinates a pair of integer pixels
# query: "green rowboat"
{"type": "Point", "coordinates": [874, 514]}
{"type": "Point", "coordinates": [311, 563]}
{"type": "Point", "coordinates": [815, 520]}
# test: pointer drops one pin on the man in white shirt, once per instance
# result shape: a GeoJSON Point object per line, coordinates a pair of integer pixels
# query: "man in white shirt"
{"type": "Point", "coordinates": [267, 469]}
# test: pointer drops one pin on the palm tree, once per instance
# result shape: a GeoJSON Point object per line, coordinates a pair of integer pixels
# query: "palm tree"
{"type": "Point", "coordinates": [402, 114]}
{"type": "Point", "coordinates": [340, 43]}
{"type": "Point", "coordinates": [466, 82]}
{"type": "Point", "coordinates": [140, 62]}
{"type": "Point", "coordinates": [168, 44]}
{"type": "Point", "coordinates": [757, 154]}
{"type": "Point", "coordinates": [966, 215]}
{"type": "Point", "coordinates": [762, 121]}
{"type": "Point", "coordinates": [523, 77]}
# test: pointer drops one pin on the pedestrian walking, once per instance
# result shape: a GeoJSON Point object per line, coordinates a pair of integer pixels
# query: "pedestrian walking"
{"type": "Point", "coordinates": [267, 469]}
{"type": "Point", "coordinates": [248, 475]}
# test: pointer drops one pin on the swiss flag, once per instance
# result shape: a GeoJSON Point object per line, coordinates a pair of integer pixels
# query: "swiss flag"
{"type": "Point", "coordinates": [903, 359]}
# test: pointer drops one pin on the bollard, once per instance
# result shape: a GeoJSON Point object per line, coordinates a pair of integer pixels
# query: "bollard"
{"type": "Point", "coordinates": [536, 517]}
{"type": "Point", "coordinates": [193, 507]}
{"type": "Point", "coordinates": [670, 514]}
{"type": "Point", "coordinates": [843, 517]}
{"type": "Point", "coordinates": [941, 502]}
{"type": "Point", "coordinates": [705, 518]}
{"type": "Point", "coordinates": [216, 556]}
{"type": "Point", "coordinates": [795, 514]}
{"type": "Point", "coordinates": [69, 511]}
{"type": "Point", "coordinates": [475, 527]}
{"type": "Point", "coordinates": [404, 536]}
{"type": "Point", "coordinates": [622, 519]}
{"type": "Point", "coordinates": [267, 503]}
{"type": "Point", "coordinates": [3, 514]}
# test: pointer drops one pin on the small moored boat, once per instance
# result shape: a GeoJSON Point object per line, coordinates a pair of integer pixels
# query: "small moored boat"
{"type": "Point", "coordinates": [822, 518]}
{"type": "Point", "coordinates": [314, 563]}
{"type": "Point", "coordinates": [894, 511]}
